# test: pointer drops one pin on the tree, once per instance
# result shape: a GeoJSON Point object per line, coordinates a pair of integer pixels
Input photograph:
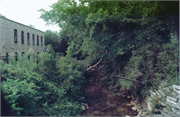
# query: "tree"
{"type": "Point", "coordinates": [55, 39]}
{"type": "Point", "coordinates": [2, 16]}
{"type": "Point", "coordinates": [121, 27]}
{"type": "Point", "coordinates": [32, 26]}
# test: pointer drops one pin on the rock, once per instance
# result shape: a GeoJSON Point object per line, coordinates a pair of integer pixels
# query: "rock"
{"type": "Point", "coordinates": [158, 115]}
{"type": "Point", "coordinates": [176, 111]}
{"type": "Point", "coordinates": [134, 108]}
{"type": "Point", "coordinates": [144, 113]}
{"type": "Point", "coordinates": [164, 104]}
{"type": "Point", "coordinates": [177, 91]}
{"type": "Point", "coordinates": [84, 104]}
{"type": "Point", "coordinates": [165, 110]}
{"type": "Point", "coordinates": [173, 114]}
{"type": "Point", "coordinates": [139, 114]}
{"type": "Point", "coordinates": [176, 87]}
{"type": "Point", "coordinates": [83, 107]}
{"type": "Point", "coordinates": [157, 110]}
{"type": "Point", "coordinates": [158, 93]}
{"type": "Point", "coordinates": [161, 92]}
{"type": "Point", "coordinates": [149, 104]}
{"type": "Point", "coordinates": [174, 94]}
{"type": "Point", "coordinates": [172, 98]}
{"type": "Point", "coordinates": [165, 114]}
{"type": "Point", "coordinates": [170, 103]}
{"type": "Point", "coordinates": [166, 90]}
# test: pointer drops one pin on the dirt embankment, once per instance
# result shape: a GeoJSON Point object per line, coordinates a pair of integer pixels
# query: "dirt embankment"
{"type": "Point", "coordinates": [103, 102]}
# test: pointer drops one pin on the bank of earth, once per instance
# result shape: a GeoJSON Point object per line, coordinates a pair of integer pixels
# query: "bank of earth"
{"type": "Point", "coordinates": [100, 101]}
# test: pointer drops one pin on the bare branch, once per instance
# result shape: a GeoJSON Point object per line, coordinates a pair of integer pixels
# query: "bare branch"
{"type": "Point", "coordinates": [126, 78]}
{"type": "Point", "coordinates": [97, 62]}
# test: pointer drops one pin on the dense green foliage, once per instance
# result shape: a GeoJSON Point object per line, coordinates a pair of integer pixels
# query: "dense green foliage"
{"type": "Point", "coordinates": [51, 87]}
{"type": "Point", "coordinates": [58, 44]}
{"type": "Point", "coordinates": [135, 33]}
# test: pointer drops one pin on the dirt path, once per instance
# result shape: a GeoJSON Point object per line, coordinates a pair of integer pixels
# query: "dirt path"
{"type": "Point", "coordinates": [102, 102]}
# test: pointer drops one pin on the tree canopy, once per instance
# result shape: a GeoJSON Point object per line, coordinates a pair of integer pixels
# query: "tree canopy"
{"type": "Point", "coordinates": [121, 27]}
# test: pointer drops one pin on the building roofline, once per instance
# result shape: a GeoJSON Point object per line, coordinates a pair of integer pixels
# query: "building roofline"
{"type": "Point", "coordinates": [20, 23]}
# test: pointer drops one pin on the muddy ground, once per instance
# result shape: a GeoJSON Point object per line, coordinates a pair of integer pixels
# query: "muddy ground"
{"type": "Point", "coordinates": [103, 102]}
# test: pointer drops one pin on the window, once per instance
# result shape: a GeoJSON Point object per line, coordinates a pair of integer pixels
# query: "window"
{"type": "Point", "coordinates": [28, 57]}
{"type": "Point", "coordinates": [16, 56]}
{"type": "Point", "coordinates": [7, 57]}
{"type": "Point", "coordinates": [23, 54]}
{"type": "Point", "coordinates": [22, 37]}
{"type": "Point", "coordinates": [37, 40]}
{"type": "Point", "coordinates": [33, 39]}
{"type": "Point", "coordinates": [37, 52]}
{"type": "Point", "coordinates": [15, 36]}
{"type": "Point", "coordinates": [28, 39]}
{"type": "Point", "coordinates": [41, 41]}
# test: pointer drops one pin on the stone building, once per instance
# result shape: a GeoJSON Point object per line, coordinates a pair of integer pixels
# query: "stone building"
{"type": "Point", "coordinates": [16, 37]}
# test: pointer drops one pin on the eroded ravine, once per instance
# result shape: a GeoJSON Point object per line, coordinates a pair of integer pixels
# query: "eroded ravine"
{"type": "Point", "coordinates": [103, 102]}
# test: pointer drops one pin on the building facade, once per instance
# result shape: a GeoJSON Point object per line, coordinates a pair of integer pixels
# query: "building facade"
{"type": "Point", "coordinates": [16, 37]}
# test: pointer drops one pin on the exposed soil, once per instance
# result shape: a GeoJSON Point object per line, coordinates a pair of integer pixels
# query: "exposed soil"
{"type": "Point", "coordinates": [103, 102]}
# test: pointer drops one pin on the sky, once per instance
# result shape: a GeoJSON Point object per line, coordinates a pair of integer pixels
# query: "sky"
{"type": "Point", "coordinates": [26, 12]}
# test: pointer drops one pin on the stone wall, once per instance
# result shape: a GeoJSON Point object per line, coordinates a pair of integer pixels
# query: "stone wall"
{"type": "Point", "coordinates": [7, 43]}
{"type": "Point", "coordinates": [169, 103]}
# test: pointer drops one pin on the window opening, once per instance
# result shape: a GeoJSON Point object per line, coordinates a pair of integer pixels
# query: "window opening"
{"type": "Point", "coordinates": [22, 37]}
{"type": "Point", "coordinates": [16, 56]}
{"type": "Point", "coordinates": [37, 40]}
{"type": "Point", "coordinates": [33, 39]}
{"type": "Point", "coordinates": [7, 57]}
{"type": "Point", "coordinates": [23, 54]}
{"type": "Point", "coordinates": [28, 39]}
{"type": "Point", "coordinates": [15, 36]}
{"type": "Point", "coordinates": [41, 41]}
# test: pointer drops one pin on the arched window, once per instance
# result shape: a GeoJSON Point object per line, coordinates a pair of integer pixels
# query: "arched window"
{"type": "Point", "coordinates": [15, 36]}
{"type": "Point", "coordinates": [22, 37]}
{"type": "Point", "coordinates": [23, 53]}
{"type": "Point", "coordinates": [16, 56]}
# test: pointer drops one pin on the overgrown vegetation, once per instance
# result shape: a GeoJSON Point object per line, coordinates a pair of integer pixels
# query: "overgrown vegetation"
{"type": "Point", "coordinates": [51, 87]}
{"type": "Point", "coordinates": [138, 37]}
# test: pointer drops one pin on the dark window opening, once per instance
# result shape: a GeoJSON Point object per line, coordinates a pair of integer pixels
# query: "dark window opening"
{"type": "Point", "coordinates": [16, 56]}
{"type": "Point", "coordinates": [37, 40]}
{"type": "Point", "coordinates": [33, 39]}
{"type": "Point", "coordinates": [41, 41]}
{"type": "Point", "coordinates": [15, 36]}
{"type": "Point", "coordinates": [28, 57]}
{"type": "Point", "coordinates": [22, 37]}
{"type": "Point", "coordinates": [7, 57]}
{"type": "Point", "coordinates": [28, 39]}
{"type": "Point", "coordinates": [23, 54]}
{"type": "Point", "coordinates": [37, 52]}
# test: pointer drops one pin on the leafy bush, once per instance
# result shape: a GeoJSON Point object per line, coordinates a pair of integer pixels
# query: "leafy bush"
{"type": "Point", "coordinates": [51, 87]}
{"type": "Point", "coordinates": [150, 64]}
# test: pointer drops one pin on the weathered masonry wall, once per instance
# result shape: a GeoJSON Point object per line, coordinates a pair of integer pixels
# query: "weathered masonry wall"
{"type": "Point", "coordinates": [170, 106]}
{"type": "Point", "coordinates": [7, 38]}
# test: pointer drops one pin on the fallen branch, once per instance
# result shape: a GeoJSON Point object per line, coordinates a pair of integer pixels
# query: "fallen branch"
{"type": "Point", "coordinates": [95, 69]}
{"type": "Point", "coordinates": [126, 78]}
{"type": "Point", "coordinates": [97, 62]}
